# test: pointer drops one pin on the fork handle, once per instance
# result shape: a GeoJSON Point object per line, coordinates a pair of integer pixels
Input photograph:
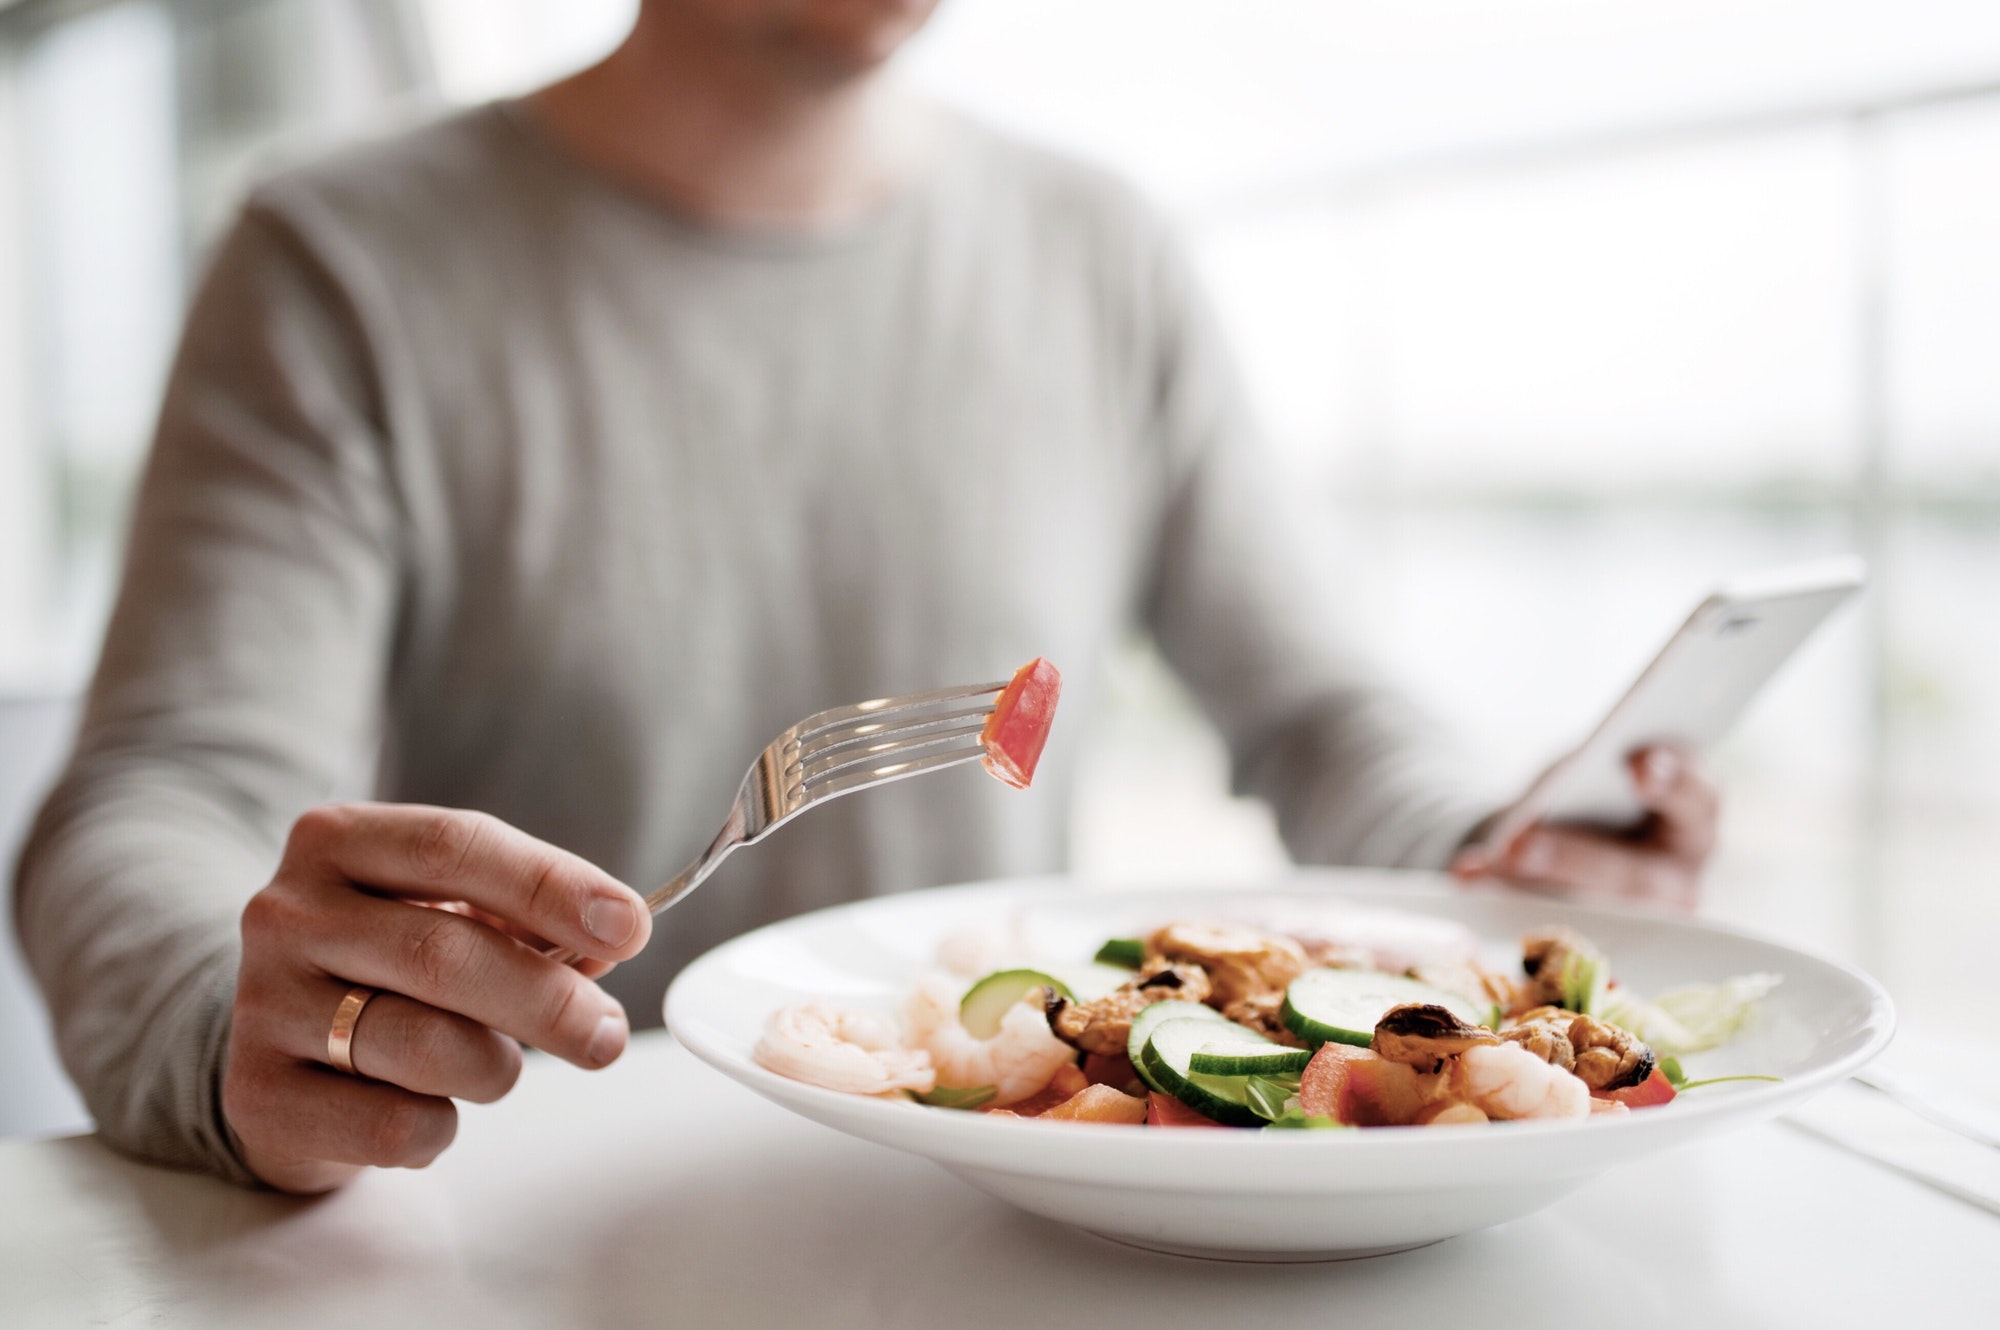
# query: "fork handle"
{"type": "Point", "coordinates": [732, 835]}
{"type": "Point", "coordinates": [688, 879]}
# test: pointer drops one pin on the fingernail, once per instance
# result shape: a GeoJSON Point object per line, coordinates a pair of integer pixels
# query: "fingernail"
{"type": "Point", "coordinates": [1534, 856]}
{"type": "Point", "coordinates": [611, 921]}
{"type": "Point", "coordinates": [1662, 765]}
{"type": "Point", "coordinates": [606, 1042]}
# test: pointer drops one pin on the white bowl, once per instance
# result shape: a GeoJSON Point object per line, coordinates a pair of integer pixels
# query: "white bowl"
{"type": "Point", "coordinates": [1250, 1195]}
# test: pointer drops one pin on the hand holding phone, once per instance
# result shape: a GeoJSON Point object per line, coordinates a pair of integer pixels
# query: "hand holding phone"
{"type": "Point", "coordinates": [1686, 700]}
{"type": "Point", "coordinates": [1660, 861]}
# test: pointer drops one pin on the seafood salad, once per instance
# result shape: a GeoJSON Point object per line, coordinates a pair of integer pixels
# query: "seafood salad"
{"type": "Point", "coordinates": [1206, 1024]}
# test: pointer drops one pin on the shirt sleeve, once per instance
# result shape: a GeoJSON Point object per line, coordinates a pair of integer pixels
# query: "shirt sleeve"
{"type": "Point", "coordinates": [1242, 609]}
{"type": "Point", "coordinates": [239, 684]}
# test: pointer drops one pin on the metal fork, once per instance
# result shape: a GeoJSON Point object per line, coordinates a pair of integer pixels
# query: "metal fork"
{"type": "Point", "coordinates": [836, 752]}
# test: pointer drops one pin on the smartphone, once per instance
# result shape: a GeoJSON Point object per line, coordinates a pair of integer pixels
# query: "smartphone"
{"type": "Point", "coordinates": [1691, 694]}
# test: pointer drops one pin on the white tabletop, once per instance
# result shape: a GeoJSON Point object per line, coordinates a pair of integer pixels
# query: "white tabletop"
{"type": "Point", "coordinates": [660, 1193]}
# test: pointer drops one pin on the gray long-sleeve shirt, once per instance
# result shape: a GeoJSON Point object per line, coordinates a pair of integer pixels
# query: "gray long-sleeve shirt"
{"type": "Point", "coordinates": [574, 504]}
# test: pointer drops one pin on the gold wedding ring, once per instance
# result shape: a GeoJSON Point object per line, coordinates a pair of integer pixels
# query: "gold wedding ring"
{"type": "Point", "coordinates": [340, 1039]}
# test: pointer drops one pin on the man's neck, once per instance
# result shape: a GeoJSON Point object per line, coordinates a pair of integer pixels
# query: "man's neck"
{"type": "Point", "coordinates": [735, 137]}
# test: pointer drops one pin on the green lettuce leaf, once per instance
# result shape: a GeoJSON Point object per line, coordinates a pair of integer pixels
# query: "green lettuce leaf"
{"type": "Point", "coordinates": [1688, 1020]}
{"type": "Point", "coordinates": [1269, 1097]}
{"type": "Point", "coordinates": [1129, 952]}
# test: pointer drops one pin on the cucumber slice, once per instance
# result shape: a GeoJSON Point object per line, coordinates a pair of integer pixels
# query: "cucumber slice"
{"type": "Point", "coordinates": [1151, 1017]}
{"type": "Point", "coordinates": [1169, 1050]}
{"type": "Point", "coordinates": [1228, 1055]}
{"type": "Point", "coordinates": [980, 1010]}
{"type": "Point", "coordinates": [1343, 1006]}
{"type": "Point", "coordinates": [1088, 980]}
{"type": "Point", "coordinates": [1215, 1097]}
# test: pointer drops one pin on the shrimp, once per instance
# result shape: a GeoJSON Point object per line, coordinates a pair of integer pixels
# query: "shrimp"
{"type": "Point", "coordinates": [821, 1044]}
{"type": "Point", "coordinates": [1507, 1081]}
{"type": "Point", "coordinates": [972, 952]}
{"type": "Point", "coordinates": [1454, 1115]}
{"type": "Point", "coordinates": [1017, 1062]}
{"type": "Point", "coordinates": [969, 953]}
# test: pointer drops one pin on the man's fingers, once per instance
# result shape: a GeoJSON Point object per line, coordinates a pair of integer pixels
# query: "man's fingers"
{"type": "Point", "coordinates": [1583, 862]}
{"type": "Point", "coordinates": [398, 1040]}
{"type": "Point", "coordinates": [1662, 864]}
{"type": "Point", "coordinates": [433, 1052]}
{"type": "Point", "coordinates": [1685, 804]}
{"type": "Point", "coordinates": [460, 965]}
{"type": "Point", "coordinates": [447, 854]}
{"type": "Point", "coordinates": [453, 984]}
{"type": "Point", "coordinates": [295, 1113]}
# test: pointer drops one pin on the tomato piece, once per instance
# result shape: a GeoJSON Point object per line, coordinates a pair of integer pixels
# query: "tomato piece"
{"type": "Point", "coordinates": [1385, 1094]}
{"type": "Point", "coordinates": [1068, 1081]}
{"type": "Point", "coordinates": [1163, 1110]}
{"type": "Point", "coordinates": [1035, 1104]}
{"type": "Point", "coordinates": [1112, 1069]}
{"type": "Point", "coordinates": [1324, 1080]}
{"type": "Point", "coordinates": [1655, 1089]}
{"type": "Point", "coordinates": [1325, 1088]}
{"type": "Point", "coordinates": [1019, 726]}
{"type": "Point", "coordinates": [1359, 1087]}
{"type": "Point", "coordinates": [1099, 1103]}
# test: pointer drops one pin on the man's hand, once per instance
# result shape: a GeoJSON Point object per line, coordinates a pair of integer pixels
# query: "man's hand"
{"type": "Point", "coordinates": [1661, 862]}
{"type": "Point", "coordinates": [458, 985]}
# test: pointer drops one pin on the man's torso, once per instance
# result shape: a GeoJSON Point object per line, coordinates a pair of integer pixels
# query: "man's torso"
{"type": "Point", "coordinates": [666, 491]}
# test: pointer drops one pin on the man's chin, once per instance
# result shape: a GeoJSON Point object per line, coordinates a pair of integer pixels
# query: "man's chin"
{"type": "Point", "coordinates": [860, 37]}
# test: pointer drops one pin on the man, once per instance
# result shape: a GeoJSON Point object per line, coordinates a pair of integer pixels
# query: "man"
{"type": "Point", "coordinates": [577, 445]}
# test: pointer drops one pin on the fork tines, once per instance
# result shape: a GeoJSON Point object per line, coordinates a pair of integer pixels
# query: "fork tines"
{"type": "Point", "coordinates": [888, 737]}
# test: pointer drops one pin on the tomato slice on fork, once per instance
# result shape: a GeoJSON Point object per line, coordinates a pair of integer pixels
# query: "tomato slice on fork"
{"type": "Point", "coordinates": [1019, 726]}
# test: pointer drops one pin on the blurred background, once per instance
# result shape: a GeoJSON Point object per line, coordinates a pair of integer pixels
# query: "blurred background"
{"type": "Point", "coordinates": [1559, 310]}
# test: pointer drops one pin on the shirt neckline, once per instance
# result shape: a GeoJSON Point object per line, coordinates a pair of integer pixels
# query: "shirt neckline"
{"type": "Point", "coordinates": [526, 126]}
